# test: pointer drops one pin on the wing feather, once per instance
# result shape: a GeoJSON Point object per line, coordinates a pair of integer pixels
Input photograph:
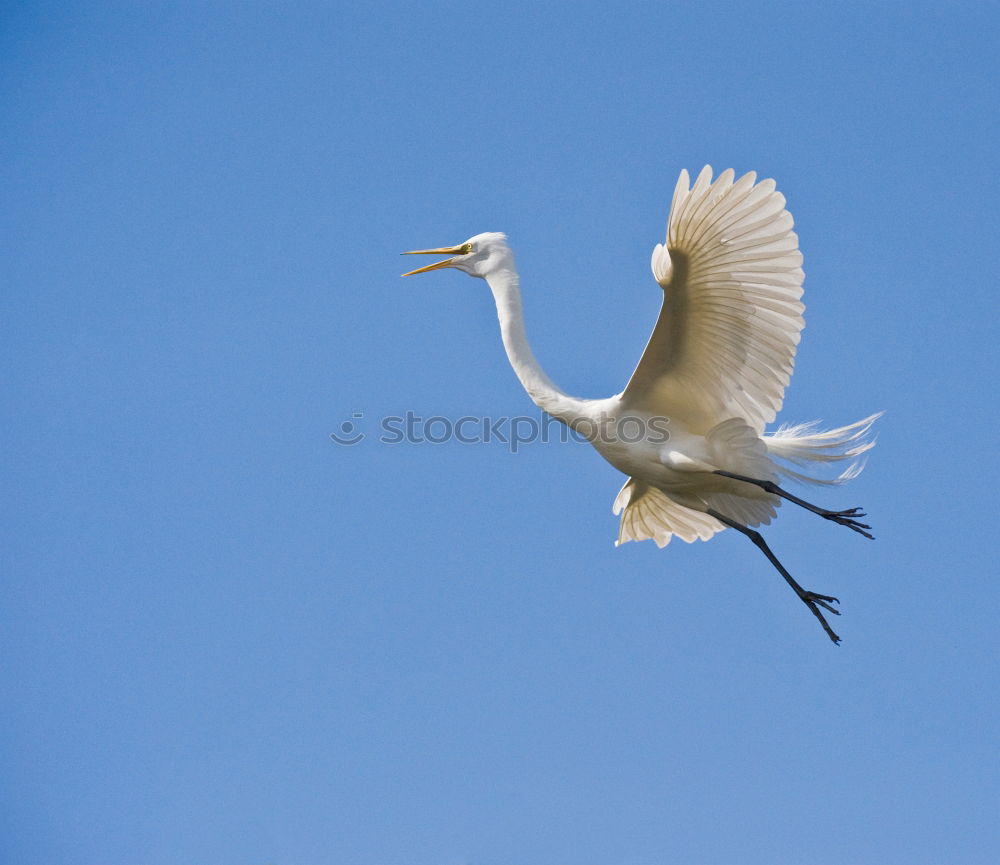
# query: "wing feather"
{"type": "Point", "coordinates": [724, 343]}
{"type": "Point", "coordinates": [647, 513]}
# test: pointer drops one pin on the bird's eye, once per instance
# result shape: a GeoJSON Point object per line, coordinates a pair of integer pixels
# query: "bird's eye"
{"type": "Point", "coordinates": [465, 249]}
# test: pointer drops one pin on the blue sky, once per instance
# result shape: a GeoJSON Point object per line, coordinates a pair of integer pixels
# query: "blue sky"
{"type": "Point", "coordinates": [227, 639]}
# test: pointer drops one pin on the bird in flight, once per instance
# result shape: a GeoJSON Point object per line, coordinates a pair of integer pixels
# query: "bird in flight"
{"type": "Point", "coordinates": [688, 429]}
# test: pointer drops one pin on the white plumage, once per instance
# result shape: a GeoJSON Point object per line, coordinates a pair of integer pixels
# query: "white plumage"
{"type": "Point", "coordinates": [731, 272]}
{"type": "Point", "coordinates": [713, 373]}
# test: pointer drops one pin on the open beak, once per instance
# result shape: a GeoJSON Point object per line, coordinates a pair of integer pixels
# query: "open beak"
{"type": "Point", "coordinates": [444, 250]}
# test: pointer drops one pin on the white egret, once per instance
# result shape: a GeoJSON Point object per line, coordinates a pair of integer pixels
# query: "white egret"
{"type": "Point", "coordinates": [688, 429]}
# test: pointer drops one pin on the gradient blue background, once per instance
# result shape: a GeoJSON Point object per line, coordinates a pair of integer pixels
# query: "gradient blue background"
{"type": "Point", "coordinates": [226, 639]}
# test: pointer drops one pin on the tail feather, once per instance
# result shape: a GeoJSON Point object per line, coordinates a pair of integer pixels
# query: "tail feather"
{"type": "Point", "coordinates": [805, 444]}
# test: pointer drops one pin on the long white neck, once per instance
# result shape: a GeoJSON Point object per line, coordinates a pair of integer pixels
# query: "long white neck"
{"type": "Point", "coordinates": [505, 285]}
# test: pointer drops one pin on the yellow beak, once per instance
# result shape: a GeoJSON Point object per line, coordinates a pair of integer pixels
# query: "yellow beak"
{"type": "Point", "coordinates": [444, 250]}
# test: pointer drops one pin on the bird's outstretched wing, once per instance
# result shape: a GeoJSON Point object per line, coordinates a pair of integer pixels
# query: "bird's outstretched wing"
{"type": "Point", "coordinates": [724, 343]}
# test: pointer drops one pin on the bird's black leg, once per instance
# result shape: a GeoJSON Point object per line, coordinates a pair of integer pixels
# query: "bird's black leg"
{"type": "Point", "coordinates": [812, 600]}
{"type": "Point", "coordinates": [847, 518]}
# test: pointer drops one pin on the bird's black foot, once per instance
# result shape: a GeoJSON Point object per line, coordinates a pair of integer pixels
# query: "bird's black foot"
{"type": "Point", "coordinates": [849, 518]}
{"type": "Point", "coordinates": [814, 601]}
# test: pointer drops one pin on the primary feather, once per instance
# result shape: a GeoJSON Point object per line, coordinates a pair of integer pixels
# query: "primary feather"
{"type": "Point", "coordinates": [731, 272]}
